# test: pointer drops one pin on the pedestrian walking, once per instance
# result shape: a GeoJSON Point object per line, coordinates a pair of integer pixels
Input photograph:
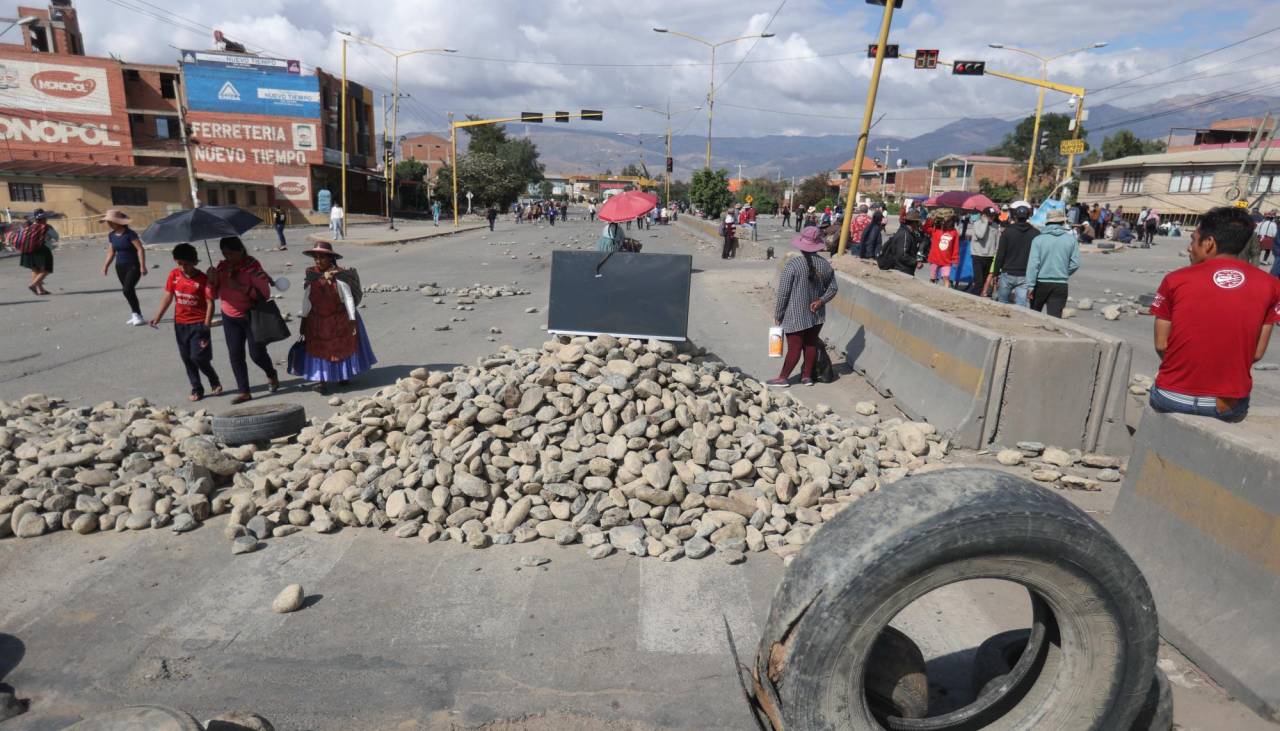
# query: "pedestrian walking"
{"type": "Point", "coordinates": [1267, 235]}
{"type": "Point", "coordinates": [491, 213]}
{"type": "Point", "coordinates": [1010, 266]}
{"type": "Point", "coordinates": [1150, 225]}
{"type": "Point", "coordinates": [805, 286]}
{"type": "Point", "coordinates": [944, 248]}
{"type": "Point", "coordinates": [239, 282]}
{"type": "Point", "coordinates": [591, 211]}
{"type": "Point", "coordinates": [277, 221]}
{"type": "Point", "coordinates": [1213, 322]}
{"type": "Point", "coordinates": [337, 221]}
{"type": "Point", "coordinates": [984, 234]}
{"type": "Point", "coordinates": [32, 239]}
{"type": "Point", "coordinates": [786, 215]}
{"type": "Point", "coordinates": [551, 214]}
{"type": "Point", "coordinates": [334, 343]}
{"type": "Point", "coordinates": [728, 230]}
{"type": "Point", "coordinates": [902, 251]}
{"type": "Point", "coordinates": [872, 236]}
{"type": "Point", "coordinates": [187, 288]}
{"type": "Point", "coordinates": [125, 249]}
{"type": "Point", "coordinates": [1054, 257]}
{"type": "Point", "coordinates": [435, 212]}
{"type": "Point", "coordinates": [857, 225]}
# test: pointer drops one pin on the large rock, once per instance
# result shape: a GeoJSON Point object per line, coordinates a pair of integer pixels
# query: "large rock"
{"type": "Point", "coordinates": [203, 452]}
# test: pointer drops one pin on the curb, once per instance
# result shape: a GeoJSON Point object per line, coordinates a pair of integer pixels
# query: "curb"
{"type": "Point", "coordinates": [316, 238]}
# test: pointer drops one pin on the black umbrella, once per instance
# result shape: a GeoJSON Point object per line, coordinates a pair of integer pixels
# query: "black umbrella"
{"type": "Point", "coordinates": [200, 224]}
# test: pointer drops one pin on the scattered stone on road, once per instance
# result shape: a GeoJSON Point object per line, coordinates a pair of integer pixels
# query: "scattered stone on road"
{"type": "Point", "coordinates": [288, 600]}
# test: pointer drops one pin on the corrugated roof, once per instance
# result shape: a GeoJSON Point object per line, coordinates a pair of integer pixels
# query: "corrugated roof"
{"type": "Point", "coordinates": [1217, 156]}
{"type": "Point", "coordinates": [996, 159]}
{"type": "Point", "coordinates": [45, 168]}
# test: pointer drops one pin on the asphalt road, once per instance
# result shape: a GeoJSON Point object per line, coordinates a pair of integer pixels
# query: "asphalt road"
{"type": "Point", "coordinates": [397, 634]}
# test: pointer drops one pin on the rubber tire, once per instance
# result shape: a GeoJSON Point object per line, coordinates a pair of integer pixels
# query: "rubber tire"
{"type": "Point", "coordinates": [996, 656]}
{"type": "Point", "coordinates": [138, 718]}
{"type": "Point", "coordinates": [927, 531]}
{"type": "Point", "coordinates": [896, 679]}
{"type": "Point", "coordinates": [259, 423]}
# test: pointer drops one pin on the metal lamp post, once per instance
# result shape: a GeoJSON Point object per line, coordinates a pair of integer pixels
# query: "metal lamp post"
{"type": "Point", "coordinates": [668, 114]}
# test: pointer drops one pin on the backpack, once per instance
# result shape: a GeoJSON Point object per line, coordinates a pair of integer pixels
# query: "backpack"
{"type": "Point", "coordinates": [824, 371]}
{"type": "Point", "coordinates": [894, 253]}
{"type": "Point", "coordinates": [30, 238]}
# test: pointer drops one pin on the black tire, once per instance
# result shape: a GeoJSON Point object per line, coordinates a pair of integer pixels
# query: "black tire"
{"type": "Point", "coordinates": [896, 681]}
{"type": "Point", "coordinates": [133, 718]}
{"type": "Point", "coordinates": [1157, 711]}
{"type": "Point", "coordinates": [1093, 607]}
{"type": "Point", "coordinates": [259, 423]}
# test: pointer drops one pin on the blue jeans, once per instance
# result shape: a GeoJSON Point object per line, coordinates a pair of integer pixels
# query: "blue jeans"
{"type": "Point", "coordinates": [1169, 402]}
{"type": "Point", "coordinates": [1012, 285]}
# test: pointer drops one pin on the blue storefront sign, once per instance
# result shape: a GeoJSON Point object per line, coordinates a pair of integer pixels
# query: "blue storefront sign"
{"type": "Point", "coordinates": [242, 91]}
{"type": "Point", "coordinates": [241, 61]}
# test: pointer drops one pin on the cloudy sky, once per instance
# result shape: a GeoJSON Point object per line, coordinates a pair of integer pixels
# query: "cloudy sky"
{"type": "Point", "coordinates": [811, 78]}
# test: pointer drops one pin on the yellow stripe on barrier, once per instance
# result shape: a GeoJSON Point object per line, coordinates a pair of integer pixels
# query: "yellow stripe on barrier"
{"type": "Point", "coordinates": [1227, 519]}
{"type": "Point", "coordinates": [964, 376]}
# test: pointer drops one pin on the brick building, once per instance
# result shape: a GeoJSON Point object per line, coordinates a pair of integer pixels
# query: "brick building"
{"type": "Point", "coordinates": [965, 172]}
{"type": "Point", "coordinates": [431, 150]}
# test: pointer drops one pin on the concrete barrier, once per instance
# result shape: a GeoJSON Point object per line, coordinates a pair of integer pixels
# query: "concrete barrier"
{"type": "Point", "coordinates": [983, 373]}
{"type": "Point", "coordinates": [1199, 511]}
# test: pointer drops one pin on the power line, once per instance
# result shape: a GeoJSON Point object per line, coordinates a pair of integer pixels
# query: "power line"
{"type": "Point", "coordinates": [1189, 60]}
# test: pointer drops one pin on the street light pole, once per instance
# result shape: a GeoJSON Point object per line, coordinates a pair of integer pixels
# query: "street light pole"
{"type": "Point", "coordinates": [1044, 76]}
{"type": "Point", "coordinates": [344, 138]}
{"type": "Point", "coordinates": [667, 113]}
{"type": "Point", "coordinates": [711, 91]}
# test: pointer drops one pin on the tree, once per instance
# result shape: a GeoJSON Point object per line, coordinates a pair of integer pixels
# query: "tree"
{"type": "Point", "coordinates": [546, 189]}
{"type": "Point", "coordinates": [1125, 143]}
{"type": "Point", "coordinates": [486, 176]}
{"type": "Point", "coordinates": [521, 157]}
{"type": "Point", "coordinates": [765, 193]}
{"type": "Point", "coordinates": [709, 192]}
{"type": "Point", "coordinates": [679, 190]}
{"type": "Point", "coordinates": [631, 170]}
{"type": "Point", "coordinates": [411, 170]}
{"type": "Point", "coordinates": [813, 189]}
{"type": "Point", "coordinates": [1017, 144]}
{"type": "Point", "coordinates": [488, 138]}
{"type": "Point", "coordinates": [1005, 193]}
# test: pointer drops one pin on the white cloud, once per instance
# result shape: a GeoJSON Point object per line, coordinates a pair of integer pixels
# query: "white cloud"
{"type": "Point", "coordinates": [633, 65]}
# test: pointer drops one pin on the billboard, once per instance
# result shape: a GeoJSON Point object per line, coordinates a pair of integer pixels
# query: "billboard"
{"type": "Point", "coordinates": [51, 87]}
{"type": "Point", "coordinates": [242, 91]}
{"type": "Point", "coordinates": [239, 61]}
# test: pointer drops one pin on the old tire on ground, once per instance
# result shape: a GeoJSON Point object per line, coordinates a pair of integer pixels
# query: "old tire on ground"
{"type": "Point", "coordinates": [896, 680]}
{"type": "Point", "coordinates": [135, 718]}
{"type": "Point", "coordinates": [1093, 670]}
{"type": "Point", "coordinates": [1157, 712]}
{"type": "Point", "coordinates": [259, 423]}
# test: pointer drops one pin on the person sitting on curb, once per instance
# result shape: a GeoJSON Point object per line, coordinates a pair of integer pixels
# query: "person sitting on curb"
{"type": "Point", "coordinates": [1213, 322]}
{"type": "Point", "coordinates": [1054, 257]}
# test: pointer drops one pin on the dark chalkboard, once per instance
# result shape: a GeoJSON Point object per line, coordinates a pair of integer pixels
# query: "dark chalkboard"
{"type": "Point", "coordinates": [620, 294]}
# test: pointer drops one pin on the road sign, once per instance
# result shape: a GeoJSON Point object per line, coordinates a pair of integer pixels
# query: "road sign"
{"type": "Point", "coordinates": [890, 50]}
{"type": "Point", "coordinates": [1071, 147]}
{"type": "Point", "coordinates": [927, 58]}
{"type": "Point", "coordinates": [969, 68]}
{"type": "Point", "coordinates": [750, 200]}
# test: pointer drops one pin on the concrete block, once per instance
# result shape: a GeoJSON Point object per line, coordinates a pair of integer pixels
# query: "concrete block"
{"type": "Point", "coordinates": [1199, 511]}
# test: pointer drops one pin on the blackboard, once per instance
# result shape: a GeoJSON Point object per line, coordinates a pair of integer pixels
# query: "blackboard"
{"type": "Point", "coordinates": [620, 294]}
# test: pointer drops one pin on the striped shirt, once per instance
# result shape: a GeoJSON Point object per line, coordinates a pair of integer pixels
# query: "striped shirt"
{"type": "Point", "coordinates": [795, 292]}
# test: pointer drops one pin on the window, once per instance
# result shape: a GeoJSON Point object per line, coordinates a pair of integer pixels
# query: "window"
{"type": "Point", "coordinates": [26, 192]}
{"type": "Point", "coordinates": [1267, 182]}
{"type": "Point", "coordinates": [1190, 181]}
{"type": "Point", "coordinates": [1133, 182]}
{"type": "Point", "coordinates": [167, 128]}
{"type": "Point", "coordinates": [128, 196]}
{"type": "Point", "coordinates": [231, 197]}
{"type": "Point", "coordinates": [1098, 183]}
{"type": "Point", "coordinates": [132, 75]}
{"type": "Point", "coordinates": [169, 86]}
{"type": "Point", "coordinates": [213, 197]}
{"type": "Point", "coordinates": [251, 197]}
{"type": "Point", "coordinates": [39, 39]}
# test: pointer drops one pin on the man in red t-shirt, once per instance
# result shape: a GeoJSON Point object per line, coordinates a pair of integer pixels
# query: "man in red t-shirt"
{"type": "Point", "coordinates": [1213, 322]}
{"type": "Point", "coordinates": [192, 317]}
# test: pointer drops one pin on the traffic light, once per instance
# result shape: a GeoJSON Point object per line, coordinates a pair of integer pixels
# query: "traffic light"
{"type": "Point", "coordinates": [896, 3]}
{"type": "Point", "coordinates": [531, 117]}
{"type": "Point", "coordinates": [927, 58]}
{"type": "Point", "coordinates": [670, 165]}
{"type": "Point", "coordinates": [594, 115]}
{"type": "Point", "coordinates": [969, 68]}
{"type": "Point", "coordinates": [1044, 140]}
{"type": "Point", "coordinates": [562, 116]}
{"type": "Point", "coordinates": [890, 50]}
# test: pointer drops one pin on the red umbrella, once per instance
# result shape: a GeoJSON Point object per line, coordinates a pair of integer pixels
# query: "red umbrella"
{"type": "Point", "coordinates": [627, 206]}
{"type": "Point", "coordinates": [965, 201]}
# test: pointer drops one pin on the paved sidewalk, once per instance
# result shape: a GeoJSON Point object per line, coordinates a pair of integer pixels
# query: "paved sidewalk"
{"type": "Point", "coordinates": [377, 234]}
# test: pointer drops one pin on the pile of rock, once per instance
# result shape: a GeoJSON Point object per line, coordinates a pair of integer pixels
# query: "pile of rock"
{"type": "Point", "coordinates": [613, 443]}
{"type": "Point", "coordinates": [474, 292]}
{"type": "Point", "coordinates": [108, 467]}
{"type": "Point", "coordinates": [1070, 469]}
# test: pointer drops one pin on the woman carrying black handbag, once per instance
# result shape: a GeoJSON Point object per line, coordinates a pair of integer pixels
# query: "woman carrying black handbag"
{"type": "Point", "coordinates": [239, 283]}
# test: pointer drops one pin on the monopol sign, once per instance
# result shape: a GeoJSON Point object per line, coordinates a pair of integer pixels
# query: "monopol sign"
{"type": "Point", "coordinates": [54, 132]}
{"type": "Point", "coordinates": [248, 91]}
{"type": "Point", "coordinates": [48, 87]}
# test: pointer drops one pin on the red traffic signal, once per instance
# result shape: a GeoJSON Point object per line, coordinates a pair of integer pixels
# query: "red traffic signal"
{"type": "Point", "coordinates": [969, 68]}
{"type": "Point", "coordinates": [670, 165]}
{"type": "Point", "coordinates": [927, 58]}
{"type": "Point", "coordinates": [890, 50]}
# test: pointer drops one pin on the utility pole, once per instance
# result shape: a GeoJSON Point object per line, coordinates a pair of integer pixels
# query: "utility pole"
{"type": "Point", "coordinates": [868, 109]}
{"type": "Point", "coordinates": [884, 173]}
{"type": "Point", "coordinates": [186, 143]}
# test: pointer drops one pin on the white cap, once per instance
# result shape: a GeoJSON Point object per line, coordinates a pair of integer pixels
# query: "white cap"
{"type": "Point", "coordinates": [1019, 204]}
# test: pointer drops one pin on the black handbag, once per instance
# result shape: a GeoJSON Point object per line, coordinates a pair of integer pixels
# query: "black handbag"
{"type": "Point", "coordinates": [824, 371]}
{"type": "Point", "coordinates": [297, 361]}
{"type": "Point", "coordinates": [267, 324]}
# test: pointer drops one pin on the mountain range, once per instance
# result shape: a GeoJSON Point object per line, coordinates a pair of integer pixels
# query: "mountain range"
{"type": "Point", "coordinates": [574, 149]}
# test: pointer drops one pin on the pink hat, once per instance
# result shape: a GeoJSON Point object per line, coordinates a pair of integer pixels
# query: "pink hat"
{"type": "Point", "coordinates": [809, 240]}
{"type": "Point", "coordinates": [116, 216]}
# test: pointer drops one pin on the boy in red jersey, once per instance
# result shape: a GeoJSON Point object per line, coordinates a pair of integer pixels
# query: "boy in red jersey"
{"type": "Point", "coordinates": [192, 317]}
{"type": "Point", "coordinates": [1213, 322]}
